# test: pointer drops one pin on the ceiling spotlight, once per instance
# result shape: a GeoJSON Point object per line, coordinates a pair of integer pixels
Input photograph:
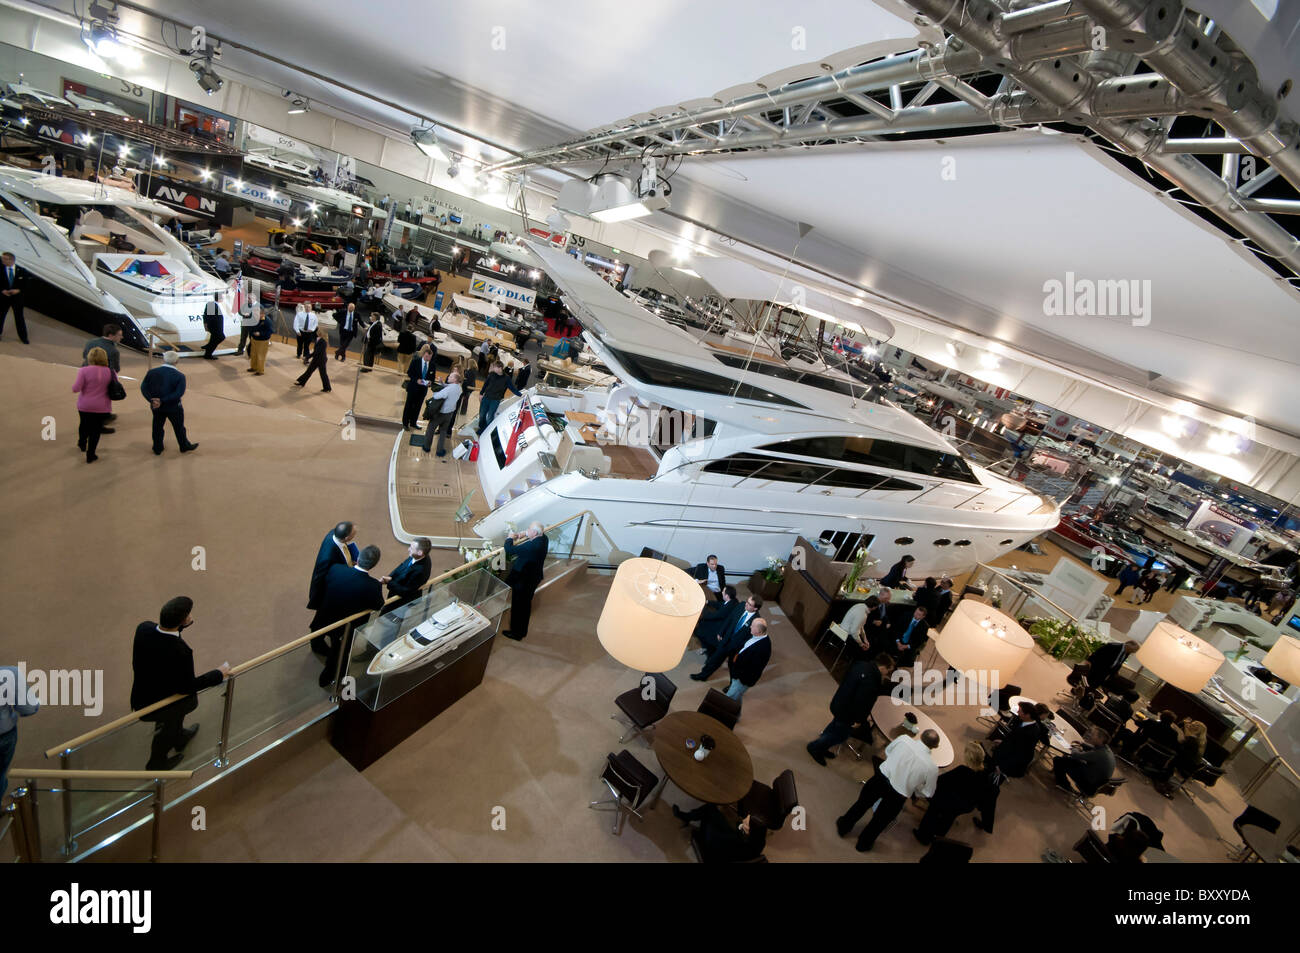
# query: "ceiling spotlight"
{"type": "Point", "coordinates": [424, 139]}
{"type": "Point", "coordinates": [297, 104]}
{"type": "Point", "coordinates": [205, 75]}
{"type": "Point", "coordinates": [205, 174]}
{"type": "Point", "coordinates": [990, 361]}
{"type": "Point", "coordinates": [297, 223]}
{"type": "Point", "coordinates": [313, 206]}
{"type": "Point", "coordinates": [99, 35]}
{"type": "Point", "coordinates": [616, 200]}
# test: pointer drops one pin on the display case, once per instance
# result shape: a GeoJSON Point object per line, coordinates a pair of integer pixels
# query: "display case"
{"type": "Point", "coordinates": [410, 664]}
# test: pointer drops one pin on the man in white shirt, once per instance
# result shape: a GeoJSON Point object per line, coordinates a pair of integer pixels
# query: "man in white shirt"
{"type": "Point", "coordinates": [441, 412]}
{"type": "Point", "coordinates": [304, 325]}
{"type": "Point", "coordinates": [907, 771]}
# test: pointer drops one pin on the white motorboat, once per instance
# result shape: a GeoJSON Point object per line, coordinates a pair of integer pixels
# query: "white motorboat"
{"type": "Point", "coordinates": [65, 287]}
{"type": "Point", "coordinates": [447, 629]}
{"type": "Point", "coordinates": [691, 454]}
{"type": "Point", "coordinates": [131, 256]}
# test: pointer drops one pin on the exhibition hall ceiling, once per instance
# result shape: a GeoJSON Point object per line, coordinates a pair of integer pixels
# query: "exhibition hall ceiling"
{"type": "Point", "coordinates": [972, 231]}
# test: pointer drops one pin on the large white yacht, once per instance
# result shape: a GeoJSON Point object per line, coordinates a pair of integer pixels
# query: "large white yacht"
{"type": "Point", "coordinates": [147, 278]}
{"type": "Point", "coordinates": [698, 451]}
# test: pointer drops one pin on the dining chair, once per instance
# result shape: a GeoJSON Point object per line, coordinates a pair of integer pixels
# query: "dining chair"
{"type": "Point", "coordinates": [629, 782]}
{"type": "Point", "coordinates": [643, 712]}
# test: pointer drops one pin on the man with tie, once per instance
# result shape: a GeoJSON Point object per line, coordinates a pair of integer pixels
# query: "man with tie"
{"type": "Point", "coordinates": [528, 552]}
{"type": "Point", "coordinates": [419, 375]}
{"type": "Point", "coordinates": [745, 665]}
{"type": "Point", "coordinates": [336, 549]}
{"type": "Point", "coordinates": [12, 282]}
{"type": "Point", "coordinates": [214, 322]}
{"type": "Point", "coordinates": [731, 639]}
{"type": "Point", "coordinates": [879, 623]}
{"type": "Point", "coordinates": [347, 331]}
{"type": "Point", "coordinates": [405, 581]}
{"type": "Point", "coordinates": [717, 619]}
{"type": "Point", "coordinates": [348, 591]}
{"type": "Point", "coordinates": [163, 666]}
{"type": "Point", "coordinates": [911, 635]}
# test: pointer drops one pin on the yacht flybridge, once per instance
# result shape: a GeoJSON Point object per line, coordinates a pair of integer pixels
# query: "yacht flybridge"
{"type": "Point", "coordinates": [696, 452]}
{"type": "Point", "coordinates": [102, 256]}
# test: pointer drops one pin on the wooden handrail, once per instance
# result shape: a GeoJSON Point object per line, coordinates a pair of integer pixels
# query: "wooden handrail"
{"type": "Point", "coordinates": [108, 775]}
{"type": "Point", "coordinates": [82, 740]}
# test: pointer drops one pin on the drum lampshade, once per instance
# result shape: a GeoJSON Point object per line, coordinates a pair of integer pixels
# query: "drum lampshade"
{"type": "Point", "coordinates": [980, 638]}
{"type": "Point", "coordinates": [1283, 659]}
{"type": "Point", "coordinates": [1182, 659]}
{"type": "Point", "coordinates": [649, 614]}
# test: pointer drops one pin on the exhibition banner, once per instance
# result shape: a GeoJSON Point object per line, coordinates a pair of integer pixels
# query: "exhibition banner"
{"type": "Point", "coordinates": [500, 291]}
{"type": "Point", "coordinates": [1059, 426]}
{"type": "Point", "coordinates": [185, 197]}
{"type": "Point", "coordinates": [1229, 530]}
{"type": "Point", "coordinates": [259, 194]}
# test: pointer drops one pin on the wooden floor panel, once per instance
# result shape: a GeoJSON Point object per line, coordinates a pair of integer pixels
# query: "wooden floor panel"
{"type": "Point", "coordinates": [429, 491]}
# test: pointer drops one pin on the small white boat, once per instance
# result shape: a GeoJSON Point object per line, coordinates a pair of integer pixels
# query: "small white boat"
{"type": "Point", "coordinates": [448, 628]}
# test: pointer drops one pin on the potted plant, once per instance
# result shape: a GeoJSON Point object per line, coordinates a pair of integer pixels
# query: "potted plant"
{"type": "Point", "coordinates": [766, 583]}
{"type": "Point", "coordinates": [861, 562]}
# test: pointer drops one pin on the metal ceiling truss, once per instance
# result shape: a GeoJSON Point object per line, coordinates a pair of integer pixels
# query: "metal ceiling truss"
{"type": "Point", "coordinates": [1129, 72]}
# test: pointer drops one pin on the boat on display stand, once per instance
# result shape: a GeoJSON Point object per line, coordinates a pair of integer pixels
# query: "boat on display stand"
{"type": "Point", "coordinates": [105, 256]}
{"type": "Point", "coordinates": [688, 454]}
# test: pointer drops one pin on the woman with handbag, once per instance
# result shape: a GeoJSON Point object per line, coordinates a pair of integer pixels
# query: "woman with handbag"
{"type": "Point", "coordinates": [93, 401]}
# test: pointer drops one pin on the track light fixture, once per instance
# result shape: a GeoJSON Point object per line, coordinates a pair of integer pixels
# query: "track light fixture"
{"type": "Point", "coordinates": [298, 104]}
{"type": "Point", "coordinates": [205, 75]}
{"type": "Point", "coordinates": [99, 32]}
{"type": "Point", "coordinates": [424, 139]}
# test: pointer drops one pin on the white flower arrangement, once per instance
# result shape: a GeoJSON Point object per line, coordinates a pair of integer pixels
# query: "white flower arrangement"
{"type": "Point", "coordinates": [995, 595]}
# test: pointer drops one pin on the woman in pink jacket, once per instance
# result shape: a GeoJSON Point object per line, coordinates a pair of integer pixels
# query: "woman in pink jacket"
{"type": "Point", "coordinates": [93, 402]}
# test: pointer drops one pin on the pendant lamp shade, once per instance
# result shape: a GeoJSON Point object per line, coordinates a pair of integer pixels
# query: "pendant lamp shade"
{"type": "Point", "coordinates": [1283, 659]}
{"type": "Point", "coordinates": [1182, 659]}
{"type": "Point", "coordinates": [979, 638]}
{"type": "Point", "coordinates": [649, 614]}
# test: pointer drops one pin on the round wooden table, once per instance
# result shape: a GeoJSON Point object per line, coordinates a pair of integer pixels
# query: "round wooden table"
{"type": "Point", "coordinates": [724, 777]}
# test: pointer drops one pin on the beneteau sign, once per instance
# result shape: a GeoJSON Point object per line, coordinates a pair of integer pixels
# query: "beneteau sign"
{"type": "Point", "coordinates": [500, 291]}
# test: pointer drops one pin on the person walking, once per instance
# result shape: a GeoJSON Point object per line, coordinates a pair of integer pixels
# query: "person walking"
{"type": "Point", "coordinates": [419, 375]}
{"type": "Point", "coordinates": [495, 386]}
{"type": "Point", "coordinates": [304, 325]}
{"type": "Point", "coordinates": [249, 316]}
{"type": "Point", "coordinates": [259, 343]}
{"type": "Point", "coordinates": [163, 387]}
{"type": "Point", "coordinates": [214, 322]}
{"type": "Point", "coordinates": [16, 701]}
{"type": "Point", "coordinates": [319, 360]}
{"type": "Point", "coordinates": [373, 341]}
{"type": "Point", "coordinates": [13, 282]}
{"type": "Point", "coordinates": [441, 413]}
{"type": "Point", "coordinates": [528, 554]}
{"type": "Point", "coordinates": [852, 703]}
{"type": "Point", "coordinates": [347, 331]}
{"type": "Point", "coordinates": [163, 665]}
{"type": "Point", "coordinates": [93, 402]}
{"type": "Point", "coordinates": [469, 374]}
{"type": "Point", "coordinates": [109, 339]}
{"type": "Point", "coordinates": [1128, 576]}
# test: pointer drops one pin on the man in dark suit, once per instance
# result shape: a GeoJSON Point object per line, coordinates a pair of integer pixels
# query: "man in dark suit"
{"type": "Point", "coordinates": [528, 550]}
{"type": "Point", "coordinates": [405, 581]}
{"type": "Point", "coordinates": [910, 636]}
{"type": "Point", "coordinates": [722, 842]}
{"type": "Point", "coordinates": [879, 627]}
{"type": "Point", "coordinates": [712, 575]}
{"type": "Point", "coordinates": [348, 590]}
{"type": "Point", "coordinates": [1108, 660]}
{"type": "Point", "coordinates": [419, 375]}
{"type": "Point", "coordinates": [726, 638]}
{"type": "Point", "coordinates": [852, 703]}
{"type": "Point", "coordinates": [716, 619]}
{"type": "Point", "coordinates": [13, 282]}
{"type": "Point", "coordinates": [347, 331]}
{"type": "Point", "coordinates": [1011, 759]}
{"type": "Point", "coordinates": [942, 603]}
{"type": "Point", "coordinates": [926, 594]}
{"type": "Point", "coordinates": [746, 662]}
{"type": "Point", "coordinates": [214, 322]}
{"type": "Point", "coordinates": [163, 665]}
{"type": "Point", "coordinates": [163, 387]}
{"type": "Point", "coordinates": [336, 549]}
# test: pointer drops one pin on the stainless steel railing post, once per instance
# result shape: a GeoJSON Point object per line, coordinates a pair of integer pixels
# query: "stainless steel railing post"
{"type": "Point", "coordinates": [223, 744]}
{"type": "Point", "coordinates": [69, 845]}
{"type": "Point", "coordinates": [29, 821]}
{"type": "Point", "coordinates": [157, 821]}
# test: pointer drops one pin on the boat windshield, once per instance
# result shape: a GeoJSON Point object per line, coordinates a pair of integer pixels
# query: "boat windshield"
{"type": "Point", "coordinates": [818, 379]}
